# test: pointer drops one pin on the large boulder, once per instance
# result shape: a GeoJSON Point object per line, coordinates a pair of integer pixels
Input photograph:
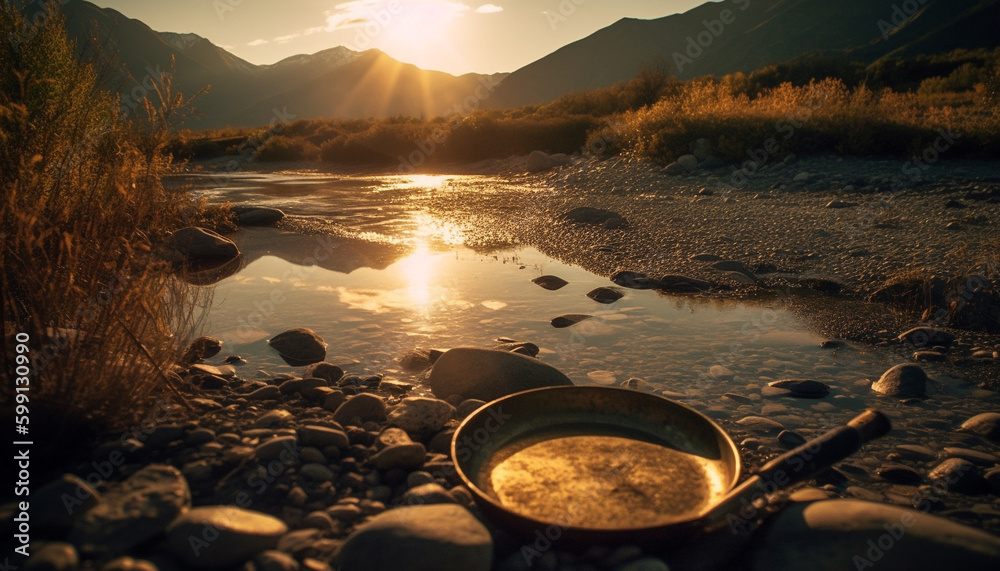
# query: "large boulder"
{"type": "Point", "coordinates": [902, 381]}
{"type": "Point", "coordinates": [299, 346]}
{"type": "Point", "coordinates": [487, 374]}
{"type": "Point", "coordinates": [438, 537]}
{"type": "Point", "coordinates": [852, 534]}
{"type": "Point", "coordinates": [196, 245]}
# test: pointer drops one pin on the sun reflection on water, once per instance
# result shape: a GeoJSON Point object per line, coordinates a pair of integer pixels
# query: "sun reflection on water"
{"type": "Point", "coordinates": [417, 270]}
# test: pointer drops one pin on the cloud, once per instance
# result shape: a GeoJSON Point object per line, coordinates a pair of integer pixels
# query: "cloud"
{"type": "Point", "coordinates": [286, 39]}
{"type": "Point", "coordinates": [362, 12]}
{"type": "Point", "coordinates": [489, 9]}
{"type": "Point", "coordinates": [257, 42]}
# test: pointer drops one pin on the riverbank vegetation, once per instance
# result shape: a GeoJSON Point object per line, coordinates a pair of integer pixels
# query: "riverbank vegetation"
{"type": "Point", "coordinates": [813, 105]}
{"type": "Point", "coordinates": [82, 214]}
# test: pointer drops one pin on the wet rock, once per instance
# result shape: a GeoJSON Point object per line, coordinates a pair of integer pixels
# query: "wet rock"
{"type": "Point", "coordinates": [300, 345]}
{"type": "Point", "coordinates": [568, 320]}
{"type": "Point", "coordinates": [443, 537]}
{"type": "Point", "coordinates": [364, 406]}
{"type": "Point", "coordinates": [201, 348]}
{"type": "Point", "coordinates": [760, 423]}
{"type": "Point", "coordinates": [405, 456]}
{"type": "Point", "coordinates": [327, 371]}
{"type": "Point", "coordinates": [126, 563]}
{"type": "Point", "coordinates": [236, 536]}
{"type": "Point", "coordinates": [201, 244]}
{"type": "Point", "coordinates": [416, 360]}
{"type": "Point", "coordinates": [735, 266]}
{"type": "Point", "coordinates": [634, 280]}
{"type": "Point", "coordinates": [958, 475]}
{"type": "Point", "coordinates": [596, 216]}
{"type": "Point", "coordinates": [986, 425]}
{"type": "Point", "coordinates": [257, 216]}
{"type": "Point", "coordinates": [420, 416]}
{"type": "Point", "coordinates": [269, 392]}
{"type": "Point", "coordinates": [133, 511]}
{"type": "Point", "coordinates": [977, 457]}
{"type": "Point", "coordinates": [487, 374]}
{"type": "Point", "coordinates": [550, 282]}
{"type": "Point", "coordinates": [802, 388]}
{"type": "Point", "coordinates": [851, 534]}
{"type": "Point", "coordinates": [915, 452]}
{"type": "Point", "coordinates": [902, 381]}
{"type": "Point", "coordinates": [683, 284]}
{"type": "Point", "coordinates": [605, 294]}
{"type": "Point", "coordinates": [801, 177]}
{"type": "Point", "coordinates": [927, 337]}
{"type": "Point", "coordinates": [899, 474]}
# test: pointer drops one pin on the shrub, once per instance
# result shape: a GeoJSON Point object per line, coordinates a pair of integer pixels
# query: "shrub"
{"type": "Point", "coordinates": [82, 212]}
{"type": "Point", "coordinates": [282, 148]}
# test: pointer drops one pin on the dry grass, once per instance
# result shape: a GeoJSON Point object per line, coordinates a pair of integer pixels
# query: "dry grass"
{"type": "Point", "coordinates": [82, 212]}
{"type": "Point", "coordinates": [823, 116]}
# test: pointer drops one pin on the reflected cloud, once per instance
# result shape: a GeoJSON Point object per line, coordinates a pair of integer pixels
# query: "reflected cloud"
{"type": "Point", "coordinates": [493, 304]}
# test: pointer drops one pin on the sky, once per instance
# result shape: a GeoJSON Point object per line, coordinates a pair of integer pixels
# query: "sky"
{"type": "Point", "coordinates": [448, 35]}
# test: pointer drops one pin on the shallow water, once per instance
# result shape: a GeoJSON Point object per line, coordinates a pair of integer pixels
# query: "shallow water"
{"type": "Point", "coordinates": [372, 305]}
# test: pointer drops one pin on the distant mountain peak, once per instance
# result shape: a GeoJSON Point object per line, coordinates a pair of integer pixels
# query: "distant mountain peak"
{"type": "Point", "coordinates": [180, 41]}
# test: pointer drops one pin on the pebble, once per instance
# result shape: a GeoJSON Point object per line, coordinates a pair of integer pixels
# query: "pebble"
{"type": "Point", "coordinates": [421, 416]}
{"type": "Point", "coordinates": [327, 371]}
{"type": "Point", "coordinates": [322, 437]}
{"type": "Point", "coordinates": [278, 417]}
{"type": "Point", "coordinates": [133, 511]}
{"type": "Point", "coordinates": [986, 425]}
{"type": "Point", "coordinates": [802, 388]}
{"type": "Point", "coordinates": [899, 474]}
{"type": "Point", "coordinates": [975, 456]}
{"type": "Point", "coordinates": [403, 456]}
{"type": "Point", "coordinates": [274, 560]}
{"type": "Point", "coordinates": [426, 494]}
{"type": "Point", "coordinates": [928, 356]}
{"type": "Point", "coordinates": [721, 373]}
{"type": "Point", "coordinates": [275, 448]}
{"type": "Point", "coordinates": [915, 452]}
{"type": "Point", "coordinates": [269, 392]}
{"type": "Point", "coordinates": [760, 423]}
{"type": "Point", "coordinates": [363, 406]}
{"type": "Point", "coordinates": [50, 508]}
{"type": "Point", "coordinates": [236, 536]}
{"type": "Point", "coordinates": [957, 475]}
{"type": "Point", "coordinates": [316, 472]}
{"type": "Point", "coordinates": [605, 294]}
{"type": "Point", "coordinates": [569, 319]}
{"type": "Point", "coordinates": [441, 537]}
{"type": "Point", "coordinates": [550, 282]}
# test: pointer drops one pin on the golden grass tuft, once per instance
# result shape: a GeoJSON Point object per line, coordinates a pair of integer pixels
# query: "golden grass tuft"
{"type": "Point", "coordinates": [82, 213]}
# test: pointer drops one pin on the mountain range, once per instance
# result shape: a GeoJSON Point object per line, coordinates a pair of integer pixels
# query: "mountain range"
{"type": "Point", "coordinates": [711, 39]}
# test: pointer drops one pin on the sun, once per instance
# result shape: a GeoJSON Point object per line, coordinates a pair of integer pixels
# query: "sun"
{"type": "Point", "coordinates": [411, 30]}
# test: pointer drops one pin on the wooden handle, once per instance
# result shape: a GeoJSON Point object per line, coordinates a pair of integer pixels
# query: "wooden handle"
{"type": "Point", "coordinates": [742, 506]}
